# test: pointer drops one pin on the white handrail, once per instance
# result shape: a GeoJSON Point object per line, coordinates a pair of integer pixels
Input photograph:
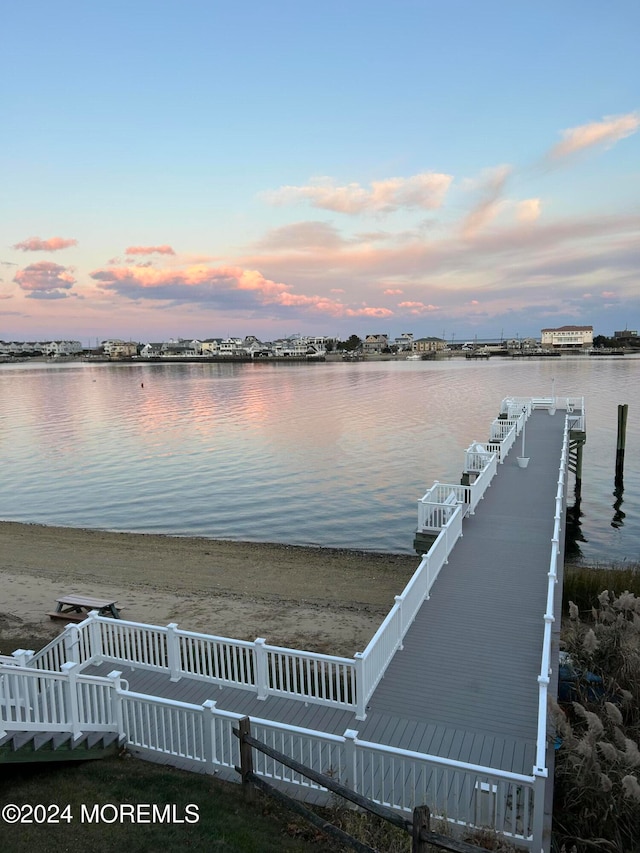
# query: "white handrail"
{"type": "Point", "coordinates": [549, 615]}
{"type": "Point", "coordinates": [461, 793]}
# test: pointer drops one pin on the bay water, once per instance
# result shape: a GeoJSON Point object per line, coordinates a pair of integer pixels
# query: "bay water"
{"type": "Point", "coordinates": [331, 454]}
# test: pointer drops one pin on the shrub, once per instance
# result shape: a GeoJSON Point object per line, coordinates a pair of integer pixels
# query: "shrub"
{"type": "Point", "coordinates": [597, 775]}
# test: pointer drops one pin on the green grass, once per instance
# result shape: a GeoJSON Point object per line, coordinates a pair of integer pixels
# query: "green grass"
{"type": "Point", "coordinates": [583, 585]}
{"type": "Point", "coordinates": [227, 824]}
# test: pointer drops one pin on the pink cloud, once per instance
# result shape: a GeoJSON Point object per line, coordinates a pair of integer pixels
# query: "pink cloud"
{"type": "Point", "coordinates": [425, 191]}
{"type": "Point", "coordinates": [224, 288]}
{"type": "Point", "coordinates": [418, 307]}
{"type": "Point", "coordinates": [608, 294]}
{"type": "Point", "coordinates": [149, 250]}
{"type": "Point", "coordinates": [53, 244]}
{"type": "Point", "coordinates": [393, 291]}
{"type": "Point", "coordinates": [611, 129]}
{"type": "Point", "coordinates": [45, 280]}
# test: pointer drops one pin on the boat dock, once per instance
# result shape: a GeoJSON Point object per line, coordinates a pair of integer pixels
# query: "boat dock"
{"type": "Point", "coordinates": [447, 705]}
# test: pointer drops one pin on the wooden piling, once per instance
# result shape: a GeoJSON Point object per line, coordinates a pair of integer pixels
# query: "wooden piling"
{"type": "Point", "coordinates": [578, 475]}
{"type": "Point", "coordinates": [623, 410]}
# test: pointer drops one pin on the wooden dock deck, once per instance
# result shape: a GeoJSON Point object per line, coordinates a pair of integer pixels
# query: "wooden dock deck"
{"type": "Point", "coordinates": [465, 684]}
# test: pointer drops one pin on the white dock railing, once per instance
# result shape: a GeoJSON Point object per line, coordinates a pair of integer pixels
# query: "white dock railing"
{"type": "Point", "coordinates": [373, 662]}
{"type": "Point", "coordinates": [463, 794]}
{"type": "Point", "coordinates": [265, 670]}
{"type": "Point", "coordinates": [435, 506]}
{"type": "Point", "coordinates": [540, 770]}
{"type": "Point", "coordinates": [66, 701]}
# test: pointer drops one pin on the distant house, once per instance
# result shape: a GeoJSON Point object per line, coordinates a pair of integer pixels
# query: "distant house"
{"type": "Point", "coordinates": [54, 349]}
{"type": "Point", "coordinates": [428, 345]}
{"type": "Point", "coordinates": [16, 348]}
{"type": "Point", "coordinates": [522, 344]}
{"type": "Point", "coordinates": [567, 337]}
{"type": "Point", "coordinates": [181, 349]}
{"type": "Point", "coordinates": [405, 342]}
{"type": "Point", "coordinates": [210, 346]}
{"type": "Point", "coordinates": [151, 350]}
{"type": "Point", "coordinates": [116, 349]}
{"type": "Point", "coordinates": [375, 344]}
{"type": "Point", "coordinates": [231, 347]}
{"type": "Point", "coordinates": [290, 348]}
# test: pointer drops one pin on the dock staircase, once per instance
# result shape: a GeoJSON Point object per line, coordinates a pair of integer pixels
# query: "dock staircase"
{"type": "Point", "coordinates": [50, 712]}
{"type": "Point", "coordinates": [34, 747]}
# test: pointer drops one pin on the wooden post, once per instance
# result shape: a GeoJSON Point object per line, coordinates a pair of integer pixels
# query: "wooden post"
{"type": "Point", "coordinates": [246, 758]}
{"type": "Point", "coordinates": [620, 445]}
{"type": "Point", "coordinates": [421, 821]}
{"type": "Point", "coordinates": [578, 472]}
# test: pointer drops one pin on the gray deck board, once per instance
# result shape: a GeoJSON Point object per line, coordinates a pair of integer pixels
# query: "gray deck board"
{"type": "Point", "coordinates": [465, 684]}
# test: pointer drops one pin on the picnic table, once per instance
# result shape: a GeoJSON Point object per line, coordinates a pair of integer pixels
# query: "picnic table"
{"type": "Point", "coordinates": [76, 608]}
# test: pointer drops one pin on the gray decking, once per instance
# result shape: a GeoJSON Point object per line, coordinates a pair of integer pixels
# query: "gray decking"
{"type": "Point", "coordinates": [465, 685]}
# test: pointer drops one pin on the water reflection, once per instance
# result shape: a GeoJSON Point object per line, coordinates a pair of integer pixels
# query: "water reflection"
{"type": "Point", "coordinates": [334, 454]}
{"type": "Point", "coordinates": [618, 515]}
{"type": "Point", "coordinates": [573, 531]}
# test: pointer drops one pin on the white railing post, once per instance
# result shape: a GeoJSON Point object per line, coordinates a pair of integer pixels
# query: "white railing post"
{"type": "Point", "coordinates": [208, 712]}
{"type": "Point", "coordinates": [350, 778]}
{"type": "Point", "coordinates": [262, 679]}
{"type": "Point", "coordinates": [116, 701]}
{"type": "Point", "coordinates": [539, 785]}
{"type": "Point", "coordinates": [71, 641]}
{"type": "Point", "coordinates": [95, 638]}
{"type": "Point", "coordinates": [398, 600]}
{"type": "Point", "coordinates": [361, 688]}
{"type": "Point", "coordinates": [427, 577]}
{"type": "Point", "coordinates": [173, 652]}
{"type": "Point", "coordinates": [71, 671]}
{"type": "Point", "coordinates": [22, 656]}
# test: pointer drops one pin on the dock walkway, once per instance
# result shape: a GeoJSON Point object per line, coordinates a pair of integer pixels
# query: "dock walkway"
{"type": "Point", "coordinates": [465, 684]}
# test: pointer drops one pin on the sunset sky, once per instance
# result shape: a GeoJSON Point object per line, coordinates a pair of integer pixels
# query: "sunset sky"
{"type": "Point", "coordinates": [210, 169]}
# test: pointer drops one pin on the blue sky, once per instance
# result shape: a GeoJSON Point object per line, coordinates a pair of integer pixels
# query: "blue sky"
{"type": "Point", "coordinates": [192, 169]}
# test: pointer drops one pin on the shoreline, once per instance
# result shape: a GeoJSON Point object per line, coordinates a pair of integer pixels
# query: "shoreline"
{"type": "Point", "coordinates": [324, 599]}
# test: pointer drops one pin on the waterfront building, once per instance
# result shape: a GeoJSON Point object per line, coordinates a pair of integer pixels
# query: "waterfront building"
{"type": "Point", "coordinates": [119, 349]}
{"type": "Point", "coordinates": [568, 337]}
{"type": "Point", "coordinates": [375, 344]}
{"type": "Point", "coordinates": [422, 345]}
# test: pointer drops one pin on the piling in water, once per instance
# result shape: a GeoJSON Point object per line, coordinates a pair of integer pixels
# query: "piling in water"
{"type": "Point", "coordinates": [620, 444]}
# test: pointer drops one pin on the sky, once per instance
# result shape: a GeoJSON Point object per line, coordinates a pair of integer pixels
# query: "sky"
{"type": "Point", "coordinates": [197, 169]}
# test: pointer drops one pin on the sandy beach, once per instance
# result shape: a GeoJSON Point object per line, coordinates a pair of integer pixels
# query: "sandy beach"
{"type": "Point", "coordinates": [314, 598]}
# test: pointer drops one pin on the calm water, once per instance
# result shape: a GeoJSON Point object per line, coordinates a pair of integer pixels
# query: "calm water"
{"type": "Point", "coordinates": [330, 454]}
